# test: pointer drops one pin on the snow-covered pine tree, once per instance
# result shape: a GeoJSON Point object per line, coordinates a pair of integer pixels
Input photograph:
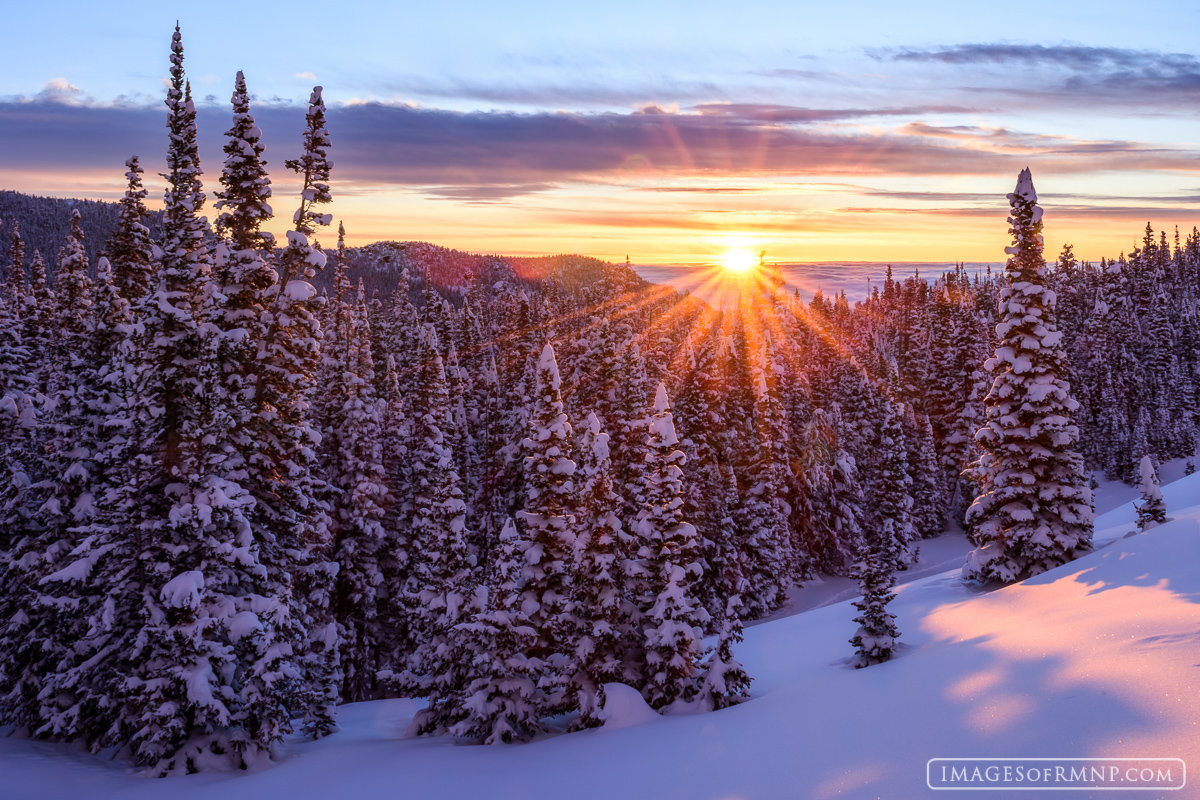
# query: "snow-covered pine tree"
{"type": "Point", "coordinates": [36, 321]}
{"type": "Point", "coordinates": [706, 497]}
{"type": "Point", "coordinates": [668, 564]}
{"type": "Point", "coordinates": [929, 500]}
{"type": "Point", "coordinates": [245, 186]}
{"type": "Point", "coordinates": [360, 542]}
{"type": "Point", "coordinates": [336, 315]}
{"type": "Point", "coordinates": [875, 640]}
{"type": "Point", "coordinates": [1035, 509]}
{"type": "Point", "coordinates": [500, 701]}
{"type": "Point", "coordinates": [547, 524]}
{"type": "Point", "coordinates": [15, 289]}
{"type": "Point", "coordinates": [289, 509]}
{"type": "Point", "coordinates": [1152, 511]}
{"type": "Point", "coordinates": [725, 681]}
{"type": "Point", "coordinates": [130, 250]}
{"type": "Point", "coordinates": [15, 364]}
{"type": "Point", "coordinates": [598, 583]}
{"type": "Point", "coordinates": [762, 517]}
{"type": "Point", "coordinates": [397, 474]}
{"type": "Point", "coordinates": [439, 590]}
{"type": "Point", "coordinates": [41, 637]}
{"type": "Point", "coordinates": [835, 503]}
{"type": "Point", "coordinates": [270, 354]}
{"type": "Point", "coordinates": [892, 530]}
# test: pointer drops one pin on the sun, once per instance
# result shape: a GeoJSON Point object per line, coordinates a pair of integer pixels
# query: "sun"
{"type": "Point", "coordinates": [738, 260]}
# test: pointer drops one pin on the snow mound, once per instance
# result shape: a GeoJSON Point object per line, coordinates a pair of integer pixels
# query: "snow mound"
{"type": "Point", "coordinates": [624, 706]}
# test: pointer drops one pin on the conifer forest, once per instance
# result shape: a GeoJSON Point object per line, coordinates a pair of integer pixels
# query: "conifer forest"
{"type": "Point", "coordinates": [248, 481]}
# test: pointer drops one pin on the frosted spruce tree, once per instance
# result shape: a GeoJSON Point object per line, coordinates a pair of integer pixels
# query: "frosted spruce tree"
{"type": "Point", "coordinates": [500, 700]}
{"type": "Point", "coordinates": [14, 355]}
{"type": "Point", "coordinates": [130, 250]}
{"type": "Point", "coordinates": [1152, 511]}
{"type": "Point", "coordinates": [893, 533]}
{"type": "Point", "coordinates": [361, 546]}
{"type": "Point", "coordinates": [763, 516]}
{"type": "Point", "coordinates": [35, 320]}
{"type": "Point", "coordinates": [439, 590]}
{"type": "Point", "coordinates": [40, 637]}
{"type": "Point", "coordinates": [875, 639]}
{"type": "Point", "coordinates": [15, 290]}
{"type": "Point", "coordinates": [725, 681]}
{"type": "Point", "coordinates": [245, 187]}
{"type": "Point", "coordinates": [668, 553]}
{"type": "Point", "coordinates": [1034, 511]}
{"type": "Point", "coordinates": [288, 490]}
{"type": "Point", "coordinates": [546, 523]}
{"type": "Point", "coordinates": [600, 616]}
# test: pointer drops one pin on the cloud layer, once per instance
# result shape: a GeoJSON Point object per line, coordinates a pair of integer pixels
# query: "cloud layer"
{"type": "Point", "coordinates": [484, 156]}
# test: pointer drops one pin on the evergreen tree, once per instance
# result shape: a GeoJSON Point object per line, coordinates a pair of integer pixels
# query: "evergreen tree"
{"type": "Point", "coordinates": [1035, 510]}
{"type": "Point", "coordinates": [893, 533]}
{"type": "Point", "coordinates": [546, 522]}
{"type": "Point", "coordinates": [598, 582]}
{"type": "Point", "coordinates": [875, 639]}
{"type": "Point", "coordinates": [725, 681]}
{"type": "Point", "coordinates": [1152, 510]}
{"type": "Point", "coordinates": [360, 543]}
{"type": "Point", "coordinates": [36, 322]}
{"type": "Point", "coordinates": [669, 555]}
{"type": "Point", "coordinates": [501, 700]}
{"type": "Point", "coordinates": [245, 186]}
{"type": "Point", "coordinates": [439, 592]}
{"type": "Point", "coordinates": [15, 290]}
{"type": "Point", "coordinates": [130, 250]}
{"type": "Point", "coordinates": [15, 362]}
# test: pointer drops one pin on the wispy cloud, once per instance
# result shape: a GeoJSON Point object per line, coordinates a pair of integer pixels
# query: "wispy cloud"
{"type": "Point", "coordinates": [1073, 74]}
{"type": "Point", "coordinates": [1073, 57]}
{"type": "Point", "coordinates": [764, 112]}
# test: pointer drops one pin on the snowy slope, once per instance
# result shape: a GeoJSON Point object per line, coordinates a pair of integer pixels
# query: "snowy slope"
{"type": "Point", "coordinates": [1100, 657]}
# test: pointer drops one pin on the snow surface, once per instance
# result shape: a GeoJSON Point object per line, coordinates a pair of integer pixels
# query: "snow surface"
{"type": "Point", "coordinates": [1100, 657]}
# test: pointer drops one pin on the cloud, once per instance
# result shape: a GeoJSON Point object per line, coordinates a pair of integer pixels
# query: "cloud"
{"type": "Point", "coordinates": [1072, 74]}
{"type": "Point", "coordinates": [60, 90]}
{"type": "Point", "coordinates": [1073, 57]}
{"type": "Point", "coordinates": [796, 114]}
{"type": "Point", "coordinates": [306, 75]}
{"type": "Point", "coordinates": [493, 156]}
{"type": "Point", "coordinates": [487, 193]}
{"type": "Point", "coordinates": [702, 189]}
{"type": "Point", "coordinates": [548, 94]}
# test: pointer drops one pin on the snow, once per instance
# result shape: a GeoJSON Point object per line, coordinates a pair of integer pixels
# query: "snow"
{"type": "Point", "coordinates": [546, 363]}
{"type": "Point", "coordinates": [661, 403]}
{"type": "Point", "coordinates": [624, 707]}
{"type": "Point", "coordinates": [1095, 658]}
{"type": "Point", "coordinates": [1025, 186]}
{"type": "Point", "coordinates": [299, 291]}
{"type": "Point", "coordinates": [184, 590]}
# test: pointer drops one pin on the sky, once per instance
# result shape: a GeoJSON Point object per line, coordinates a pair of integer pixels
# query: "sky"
{"type": "Point", "coordinates": [670, 132]}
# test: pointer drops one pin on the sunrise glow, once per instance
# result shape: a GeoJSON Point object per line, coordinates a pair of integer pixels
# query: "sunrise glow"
{"type": "Point", "coordinates": [738, 260]}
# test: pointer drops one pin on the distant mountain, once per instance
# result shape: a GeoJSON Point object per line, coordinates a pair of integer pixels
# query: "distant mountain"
{"type": "Point", "coordinates": [453, 272]}
{"type": "Point", "coordinates": [46, 221]}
